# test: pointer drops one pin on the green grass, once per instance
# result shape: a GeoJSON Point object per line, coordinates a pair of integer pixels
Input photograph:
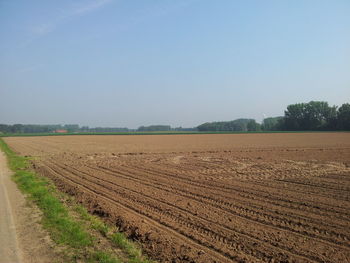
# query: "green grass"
{"type": "Point", "coordinates": [63, 228]}
{"type": "Point", "coordinates": [133, 252]}
{"type": "Point", "coordinates": [103, 257]}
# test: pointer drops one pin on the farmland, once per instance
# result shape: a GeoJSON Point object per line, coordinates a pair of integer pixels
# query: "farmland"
{"type": "Point", "coordinates": [210, 197]}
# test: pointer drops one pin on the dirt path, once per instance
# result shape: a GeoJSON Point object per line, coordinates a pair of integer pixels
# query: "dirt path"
{"type": "Point", "coordinates": [22, 238]}
{"type": "Point", "coordinates": [9, 249]}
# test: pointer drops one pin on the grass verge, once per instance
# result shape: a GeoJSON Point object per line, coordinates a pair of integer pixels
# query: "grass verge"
{"type": "Point", "coordinates": [74, 233]}
{"type": "Point", "coordinates": [132, 251]}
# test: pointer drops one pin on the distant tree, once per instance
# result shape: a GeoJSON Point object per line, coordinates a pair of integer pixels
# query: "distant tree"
{"type": "Point", "coordinates": [252, 125]}
{"type": "Point", "coordinates": [71, 127]}
{"type": "Point", "coordinates": [235, 125]}
{"type": "Point", "coordinates": [272, 124]}
{"type": "Point", "coordinates": [152, 128]}
{"type": "Point", "coordinates": [4, 128]}
{"type": "Point", "coordinates": [17, 128]}
{"type": "Point", "coordinates": [314, 115]}
{"type": "Point", "coordinates": [332, 118]}
{"type": "Point", "coordinates": [84, 128]}
{"type": "Point", "coordinates": [184, 129]}
{"type": "Point", "coordinates": [293, 116]}
{"type": "Point", "coordinates": [107, 129]}
{"type": "Point", "coordinates": [343, 118]}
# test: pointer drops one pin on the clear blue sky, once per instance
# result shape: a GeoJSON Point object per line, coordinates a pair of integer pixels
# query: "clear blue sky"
{"type": "Point", "coordinates": [131, 63]}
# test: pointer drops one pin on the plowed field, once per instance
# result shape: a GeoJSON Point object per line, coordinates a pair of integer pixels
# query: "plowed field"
{"type": "Point", "coordinates": [211, 198]}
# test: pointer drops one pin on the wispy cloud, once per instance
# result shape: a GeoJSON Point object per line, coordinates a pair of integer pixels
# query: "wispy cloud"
{"type": "Point", "coordinates": [139, 16]}
{"type": "Point", "coordinates": [160, 9]}
{"type": "Point", "coordinates": [87, 8]}
{"type": "Point", "coordinates": [30, 68]}
{"type": "Point", "coordinates": [42, 29]}
{"type": "Point", "coordinates": [65, 16]}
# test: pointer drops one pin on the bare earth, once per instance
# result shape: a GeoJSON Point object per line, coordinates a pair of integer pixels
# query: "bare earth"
{"type": "Point", "coordinates": [211, 198]}
{"type": "Point", "coordinates": [22, 238]}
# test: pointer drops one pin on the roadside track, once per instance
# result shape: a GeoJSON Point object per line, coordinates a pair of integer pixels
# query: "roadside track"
{"type": "Point", "coordinates": [9, 250]}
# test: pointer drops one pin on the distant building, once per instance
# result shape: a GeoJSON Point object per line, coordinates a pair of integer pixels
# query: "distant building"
{"type": "Point", "coordinates": [60, 131]}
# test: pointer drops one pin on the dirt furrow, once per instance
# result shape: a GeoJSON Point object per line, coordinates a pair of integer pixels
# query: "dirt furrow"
{"type": "Point", "coordinates": [268, 186]}
{"type": "Point", "coordinates": [162, 219]}
{"type": "Point", "coordinates": [256, 194]}
{"type": "Point", "coordinates": [252, 215]}
{"type": "Point", "coordinates": [156, 205]}
{"type": "Point", "coordinates": [211, 198]}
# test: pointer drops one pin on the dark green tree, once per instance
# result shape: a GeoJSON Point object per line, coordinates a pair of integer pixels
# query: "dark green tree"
{"type": "Point", "coordinates": [343, 118]}
{"type": "Point", "coordinates": [71, 127]}
{"type": "Point", "coordinates": [314, 115]}
{"type": "Point", "coordinates": [272, 124]}
{"type": "Point", "coordinates": [253, 126]}
{"type": "Point", "coordinates": [17, 128]}
{"type": "Point", "coordinates": [153, 128]}
{"type": "Point", "coordinates": [235, 125]}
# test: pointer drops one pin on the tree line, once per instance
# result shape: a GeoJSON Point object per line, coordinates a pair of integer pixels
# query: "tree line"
{"type": "Point", "coordinates": [75, 128]}
{"type": "Point", "coordinates": [70, 128]}
{"type": "Point", "coordinates": [311, 116]}
{"type": "Point", "coordinates": [235, 125]}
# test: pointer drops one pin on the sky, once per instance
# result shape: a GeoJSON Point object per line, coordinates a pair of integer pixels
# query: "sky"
{"type": "Point", "coordinates": [122, 63]}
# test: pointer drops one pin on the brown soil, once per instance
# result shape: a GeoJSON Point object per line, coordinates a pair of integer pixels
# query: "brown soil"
{"type": "Point", "coordinates": [211, 198]}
